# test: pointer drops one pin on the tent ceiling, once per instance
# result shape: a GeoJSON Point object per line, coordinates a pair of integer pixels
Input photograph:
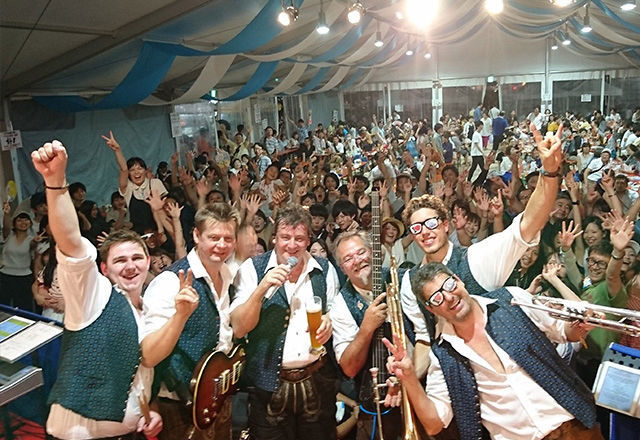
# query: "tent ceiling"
{"type": "Point", "coordinates": [88, 48]}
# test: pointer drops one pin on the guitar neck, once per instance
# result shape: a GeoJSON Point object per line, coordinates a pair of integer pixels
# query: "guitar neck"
{"type": "Point", "coordinates": [376, 245]}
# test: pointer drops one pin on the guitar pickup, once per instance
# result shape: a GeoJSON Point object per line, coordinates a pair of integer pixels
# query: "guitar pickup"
{"type": "Point", "coordinates": [224, 378]}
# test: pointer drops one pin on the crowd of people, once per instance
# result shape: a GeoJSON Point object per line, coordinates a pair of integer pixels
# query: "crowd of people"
{"type": "Point", "coordinates": [198, 256]}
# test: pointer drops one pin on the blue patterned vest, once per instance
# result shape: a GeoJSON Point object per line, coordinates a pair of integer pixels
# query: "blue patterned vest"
{"type": "Point", "coordinates": [530, 348]}
{"type": "Point", "coordinates": [265, 342]}
{"type": "Point", "coordinates": [459, 265]}
{"type": "Point", "coordinates": [199, 336]}
{"type": "Point", "coordinates": [98, 363]}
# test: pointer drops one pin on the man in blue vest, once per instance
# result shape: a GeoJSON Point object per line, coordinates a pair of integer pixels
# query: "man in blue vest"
{"type": "Point", "coordinates": [294, 388]}
{"type": "Point", "coordinates": [100, 377]}
{"type": "Point", "coordinates": [512, 384]}
{"type": "Point", "coordinates": [484, 266]}
{"type": "Point", "coordinates": [356, 316]}
{"type": "Point", "coordinates": [187, 316]}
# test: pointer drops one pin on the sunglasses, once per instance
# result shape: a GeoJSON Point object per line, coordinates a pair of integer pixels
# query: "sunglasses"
{"type": "Point", "coordinates": [430, 223]}
{"type": "Point", "coordinates": [437, 297]}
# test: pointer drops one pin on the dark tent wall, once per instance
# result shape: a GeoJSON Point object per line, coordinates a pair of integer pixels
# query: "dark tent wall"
{"type": "Point", "coordinates": [141, 131]}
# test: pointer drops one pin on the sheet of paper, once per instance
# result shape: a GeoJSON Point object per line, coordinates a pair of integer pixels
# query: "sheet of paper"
{"type": "Point", "coordinates": [27, 341]}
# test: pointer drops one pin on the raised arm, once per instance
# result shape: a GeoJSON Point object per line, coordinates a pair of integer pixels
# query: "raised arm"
{"type": "Point", "coordinates": [621, 233]}
{"type": "Point", "coordinates": [536, 214]}
{"type": "Point", "coordinates": [123, 177]}
{"type": "Point", "coordinates": [50, 161]}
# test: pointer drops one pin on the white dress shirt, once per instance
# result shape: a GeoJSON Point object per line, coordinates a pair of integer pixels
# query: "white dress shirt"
{"type": "Point", "coordinates": [297, 345]}
{"type": "Point", "coordinates": [512, 405]}
{"type": "Point", "coordinates": [159, 300]}
{"type": "Point", "coordinates": [86, 293]}
{"type": "Point", "coordinates": [491, 261]}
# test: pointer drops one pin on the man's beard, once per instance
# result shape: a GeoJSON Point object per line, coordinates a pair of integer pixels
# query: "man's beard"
{"type": "Point", "coordinates": [365, 275]}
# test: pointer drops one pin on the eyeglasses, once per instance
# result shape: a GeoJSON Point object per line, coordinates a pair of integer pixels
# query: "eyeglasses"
{"type": "Point", "coordinates": [437, 297]}
{"type": "Point", "coordinates": [349, 259]}
{"type": "Point", "coordinates": [600, 264]}
{"type": "Point", "coordinates": [430, 223]}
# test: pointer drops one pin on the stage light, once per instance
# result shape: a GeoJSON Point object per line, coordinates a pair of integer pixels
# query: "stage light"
{"type": "Point", "coordinates": [287, 15]}
{"type": "Point", "coordinates": [562, 3]}
{"type": "Point", "coordinates": [322, 28]}
{"type": "Point", "coordinates": [379, 42]}
{"type": "Point", "coordinates": [628, 5]}
{"type": "Point", "coordinates": [494, 6]}
{"type": "Point", "coordinates": [586, 26]}
{"type": "Point", "coordinates": [409, 52]}
{"type": "Point", "coordinates": [422, 11]}
{"type": "Point", "coordinates": [356, 11]}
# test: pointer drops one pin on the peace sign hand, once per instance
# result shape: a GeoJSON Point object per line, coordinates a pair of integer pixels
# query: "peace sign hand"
{"type": "Point", "coordinates": [398, 363]}
{"type": "Point", "coordinates": [550, 149]}
{"type": "Point", "coordinates": [187, 298]}
{"type": "Point", "coordinates": [111, 142]}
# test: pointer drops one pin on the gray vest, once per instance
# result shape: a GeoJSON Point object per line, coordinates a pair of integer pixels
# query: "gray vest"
{"type": "Point", "coordinates": [265, 342]}
{"type": "Point", "coordinates": [98, 364]}
{"type": "Point", "coordinates": [199, 336]}
{"type": "Point", "coordinates": [530, 348]}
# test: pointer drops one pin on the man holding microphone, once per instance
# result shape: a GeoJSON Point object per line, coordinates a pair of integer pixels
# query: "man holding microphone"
{"type": "Point", "coordinates": [294, 386]}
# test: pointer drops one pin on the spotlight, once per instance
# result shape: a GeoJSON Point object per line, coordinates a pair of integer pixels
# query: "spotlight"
{"type": "Point", "coordinates": [427, 55]}
{"type": "Point", "coordinates": [494, 6]}
{"type": "Point", "coordinates": [399, 15]}
{"type": "Point", "coordinates": [322, 28]}
{"type": "Point", "coordinates": [566, 41]}
{"type": "Point", "coordinates": [562, 3]}
{"type": "Point", "coordinates": [554, 46]}
{"type": "Point", "coordinates": [422, 11]}
{"type": "Point", "coordinates": [628, 5]}
{"type": "Point", "coordinates": [355, 13]}
{"type": "Point", "coordinates": [379, 42]}
{"type": "Point", "coordinates": [409, 52]}
{"type": "Point", "coordinates": [287, 15]}
{"type": "Point", "coordinates": [586, 26]}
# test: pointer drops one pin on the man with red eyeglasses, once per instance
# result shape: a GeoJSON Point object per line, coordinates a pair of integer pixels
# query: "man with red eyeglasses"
{"type": "Point", "coordinates": [484, 266]}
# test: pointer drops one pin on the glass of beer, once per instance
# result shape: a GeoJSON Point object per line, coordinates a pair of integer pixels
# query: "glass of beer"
{"type": "Point", "coordinates": [314, 318]}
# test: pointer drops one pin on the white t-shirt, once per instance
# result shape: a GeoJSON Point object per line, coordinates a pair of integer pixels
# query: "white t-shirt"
{"type": "Point", "coordinates": [476, 144]}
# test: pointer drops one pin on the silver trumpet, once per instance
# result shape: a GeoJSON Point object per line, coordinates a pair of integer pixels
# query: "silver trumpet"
{"type": "Point", "coordinates": [628, 321]}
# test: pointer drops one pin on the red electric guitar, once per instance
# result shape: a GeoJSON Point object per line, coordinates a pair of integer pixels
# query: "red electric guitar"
{"type": "Point", "coordinates": [215, 378]}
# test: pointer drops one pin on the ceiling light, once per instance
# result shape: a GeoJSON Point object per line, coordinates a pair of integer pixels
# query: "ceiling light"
{"type": "Point", "coordinates": [562, 3]}
{"type": "Point", "coordinates": [322, 28]}
{"type": "Point", "coordinates": [287, 15]}
{"type": "Point", "coordinates": [427, 55]}
{"type": "Point", "coordinates": [628, 5]}
{"type": "Point", "coordinates": [586, 26]}
{"type": "Point", "coordinates": [399, 15]}
{"type": "Point", "coordinates": [494, 6]}
{"type": "Point", "coordinates": [409, 52]}
{"type": "Point", "coordinates": [566, 41]}
{"type": "Point", "coordinates": [421, 11]}
{"type": "Point", "coordinates": [355, 13]}
{"type": "Point", "coordinates": [379, 42]}
{"type": "Point", "coordinates": [554, 46]}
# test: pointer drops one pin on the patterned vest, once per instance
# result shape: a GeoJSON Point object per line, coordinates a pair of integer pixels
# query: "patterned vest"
{"type": "Point", "coordinates": [199, 336]}
{"type": "Point", "coordinates": [530, 348]}
{"type": "Point", "coordinates": [265, 342]}
{"type": "Point", "coordinates": [459, 265]}
{"type": "Point", "coordinates": [98, 364]}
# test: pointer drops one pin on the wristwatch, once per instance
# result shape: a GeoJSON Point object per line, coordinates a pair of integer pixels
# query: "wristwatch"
{"type": "Point", "coordinates": [545, 173]}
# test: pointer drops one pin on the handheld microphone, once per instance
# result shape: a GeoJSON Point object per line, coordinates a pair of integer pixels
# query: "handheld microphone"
{"type": "Point", "coordinates": [291, 262]}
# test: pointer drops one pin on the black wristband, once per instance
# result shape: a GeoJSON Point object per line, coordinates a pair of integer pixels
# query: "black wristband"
{"type": "Point", "coordinates": [616, 258]}
{"type": "Point", "coordinates": [575, 203]}
{"type": "Point", "coordinates": [56, 188]}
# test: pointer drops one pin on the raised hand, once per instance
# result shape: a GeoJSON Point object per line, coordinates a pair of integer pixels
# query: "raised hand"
{"type": "Point", "coordinates": [398, 363]}
{"type": "Point", "coordinates": [155, 201]}
{"type": "Point", "coordinates": [621, 234]}
{"type": "Point", "coordinates": [351, 187]}
{"type": "Point", "coordinates": [173, 209]}
{"type": "Point", "coordinates": [438, 191]}
{"type": "Point", "coordinates": [467, 189]}
{"type": "Point", "coordinates": [234, 183]}
{"type": "Point", "coordinates": [253, 205]}
{"type": "Point", "coordinates": [483, 203]}
{"type": "Point", "coordinates": [202, 188]}
{"type": "Point", "coordinates": [50, 161]}
{"type": "Point", "coordinates": [496, 204]}
{"type": "Point", "coordinates": [550, 148]}
{"type": "Point", "coordinates": [459, 217]}
{"type": "Point", "coordinates": [6, 208]}
{"type": "Point", "coordinates": [112, 143]}
{"type": "Point", "coordinates": [363, 201]}
{"type": "Point", "coordinates": [384, 189]}
{"type": "Point", "coordinates": [174, 158]}
{"type": "Point", "coordinates": [448, 190]}
{"type": "Point", "coordinates": [187, 299]}
{"type": "Point", "coordinates": [101, 238]}
{"type": "Point", "coordinates": [150, 173]}
{"type": "Point", "coordinates": [568, 234]}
